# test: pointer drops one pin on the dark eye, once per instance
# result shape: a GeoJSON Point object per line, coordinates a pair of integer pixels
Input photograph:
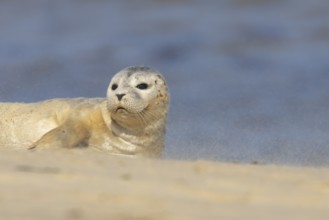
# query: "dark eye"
{"type": "Point", "coordinates": [114, 87]}
{"type": "Point", "coordinates": [142, 86]}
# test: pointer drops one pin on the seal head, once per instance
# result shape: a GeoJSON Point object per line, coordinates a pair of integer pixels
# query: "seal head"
{"type": "Point", "coordinates": [137, 101]}
{"type": "Point", "coordinates": [137, 96]}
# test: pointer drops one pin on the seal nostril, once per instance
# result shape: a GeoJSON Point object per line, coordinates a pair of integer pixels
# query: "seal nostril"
{"type": "Point", "coordinates": [120, 96]}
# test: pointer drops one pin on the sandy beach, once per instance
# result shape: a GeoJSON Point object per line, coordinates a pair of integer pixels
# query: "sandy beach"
{"type": "Point", "coordinates": [90, 185]}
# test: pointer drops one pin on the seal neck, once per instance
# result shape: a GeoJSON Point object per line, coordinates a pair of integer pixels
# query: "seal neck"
{"type": "Point", "coordinates": [137, 130]}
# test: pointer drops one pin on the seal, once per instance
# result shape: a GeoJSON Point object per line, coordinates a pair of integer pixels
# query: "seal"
{"type": "Point", "coordinates": [131, 120]}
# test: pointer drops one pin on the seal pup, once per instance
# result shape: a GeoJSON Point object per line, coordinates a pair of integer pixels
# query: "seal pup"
{"type": "Point", "coordinates": [130, 121]}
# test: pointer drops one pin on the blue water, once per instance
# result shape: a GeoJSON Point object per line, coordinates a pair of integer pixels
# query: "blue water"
{"type": "Point", "coordinates": [249, 79]}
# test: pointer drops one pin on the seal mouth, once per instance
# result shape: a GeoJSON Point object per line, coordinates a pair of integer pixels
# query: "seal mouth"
{"type": "Point", "coordinates": [120, 109]}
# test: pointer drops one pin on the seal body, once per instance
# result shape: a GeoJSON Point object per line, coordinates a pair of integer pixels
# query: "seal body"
{"type": "Point", "coordinates": [130, 121]}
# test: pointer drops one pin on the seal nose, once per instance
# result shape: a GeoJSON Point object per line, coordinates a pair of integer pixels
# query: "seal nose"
{"type": "Point", "coordinates": [120, 96]}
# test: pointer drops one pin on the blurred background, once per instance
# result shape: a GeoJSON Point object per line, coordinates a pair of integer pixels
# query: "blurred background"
{"type": "Point", "coordinates": [249, 78]}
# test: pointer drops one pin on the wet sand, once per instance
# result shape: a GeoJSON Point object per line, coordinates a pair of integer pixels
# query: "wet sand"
{"type": "Point", "coordinates": [90, 185]}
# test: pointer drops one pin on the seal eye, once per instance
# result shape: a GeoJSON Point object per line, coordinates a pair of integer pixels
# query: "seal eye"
{"type": "Point", "coordinates": [142, 86]}
{"type": "Point", "coordinates": [114, 87]}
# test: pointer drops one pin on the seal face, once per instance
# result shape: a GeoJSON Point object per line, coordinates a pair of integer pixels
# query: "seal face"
{"type": "Point", "coordinates": [130, 121]}
{"type": "Point", "coordinates": [137, 96]}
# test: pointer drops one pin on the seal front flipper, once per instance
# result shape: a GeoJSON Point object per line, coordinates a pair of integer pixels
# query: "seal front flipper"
{"type": "Point", "coordinates": [68, 135]}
